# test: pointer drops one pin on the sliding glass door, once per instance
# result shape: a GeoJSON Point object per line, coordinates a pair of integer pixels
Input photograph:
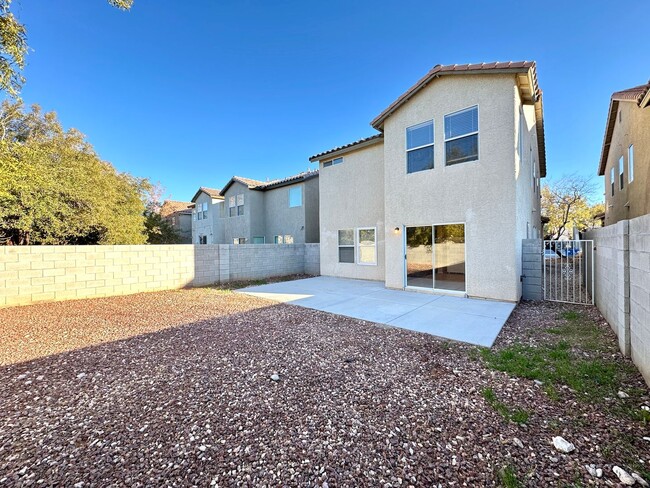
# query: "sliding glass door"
{"type": "Point", "coordinates": [419, 257]}
{"type": "Point", "coordinates": [435, 257]}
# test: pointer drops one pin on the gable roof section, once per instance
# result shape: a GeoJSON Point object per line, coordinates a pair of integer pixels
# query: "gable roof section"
{"type": "Point", "coordinates": [639, 95]}
{"type": "Point", "coordinates": [337, 151]}
{"type": "Point", "coordinates": [173, 206]}
{"type": "Point", "coordinates": [269, 185]}
{"type": "Point", "coordinates": [526, 72]}
{"type": "Point", "coordinates": [211, 192]}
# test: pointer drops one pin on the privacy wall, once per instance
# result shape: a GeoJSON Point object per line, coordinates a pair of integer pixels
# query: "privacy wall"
{"type": "Point", "coordinates": [622, 281]}
{"type": "Point", "coordinates": [31, 274]}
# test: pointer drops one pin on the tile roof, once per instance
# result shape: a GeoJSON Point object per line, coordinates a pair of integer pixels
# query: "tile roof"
{"type": "Point", "coordinates": [269, 185]}
{"type": "Point", "coordinates": [639, 95]}
{"type": "Point", "coordinates": [450, 69]}
{"type": "Point", "coordinates": [211, 192]}
{"type": "Point", "coordinates": [365, 141]}
{"type": "Point", "coordinates": [173, 206]}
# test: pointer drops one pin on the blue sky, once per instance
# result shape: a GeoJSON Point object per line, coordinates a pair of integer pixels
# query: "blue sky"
{"type": "Point", "coordinates": [190, 93]}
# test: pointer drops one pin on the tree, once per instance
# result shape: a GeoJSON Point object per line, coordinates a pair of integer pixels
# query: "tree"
{"type": "Point", "coordinates": [54, 189]}
{"type": "Point", "coordinates": [157, 228]}
{"type": "Point", "coordinates": [13, 46]}
{"type": "Point", "coordinates": [566, 203]}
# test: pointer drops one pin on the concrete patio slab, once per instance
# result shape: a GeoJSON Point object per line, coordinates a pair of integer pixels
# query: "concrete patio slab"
{"type": "Point", "coordinates": [461, 319]}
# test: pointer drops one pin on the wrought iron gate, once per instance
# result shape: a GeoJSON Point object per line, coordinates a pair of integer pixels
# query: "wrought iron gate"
{"type": "Point", "coordinates": [569, 271]}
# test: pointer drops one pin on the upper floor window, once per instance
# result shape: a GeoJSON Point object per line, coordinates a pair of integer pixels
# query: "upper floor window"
{"type": "Point", "coordinates": [240, 204]}
{"type": "Point", "coordinates": [332, 162]}
{"type": "Point", "coordinates": [621, 165]}
{"type": "Point", "coordinates": [295, 196]}
{"type": "Point", "coordinates": [232, 206]}
{"type": "Point", "coordinates": [419, 147]}
{"type": "Point", "coordinates": [630, 163]}
{"type": "Point", "coordinates": [461, 136]}
{"type": "Point", "coordinates": [612, 180]}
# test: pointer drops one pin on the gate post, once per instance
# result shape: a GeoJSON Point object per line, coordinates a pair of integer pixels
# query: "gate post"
{"type": "Point", "coordinates": [531, 274]}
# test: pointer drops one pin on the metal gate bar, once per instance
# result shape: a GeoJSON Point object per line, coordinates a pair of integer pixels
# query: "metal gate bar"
{"type": "Point", "coordinates": [569, 271]}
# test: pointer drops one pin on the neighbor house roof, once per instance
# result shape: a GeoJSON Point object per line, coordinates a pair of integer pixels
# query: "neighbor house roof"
{"type": "Point", "coordinates": [525, 71]}
{"type": "Point", "coordinates": [211, 192]}
{"type": "Point", "coordinates": [640, 95]}
{"type": "Point", "coordinates": [332, 153]}
{"type": "Point", "coordinates": [269, 185]}
{"type": "Point", "coordinates": [172, 206]}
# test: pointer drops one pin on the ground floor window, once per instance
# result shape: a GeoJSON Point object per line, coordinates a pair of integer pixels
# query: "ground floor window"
{"type": "Point", "coordinates": [367, 246]}
{"type": "Point", "coordinates": [239, 240]}
{"type": "Point", "coordinates": [346, 246]}
{"type": "Point", "coordinates": [203, 239]}
{"type": "Point", "coordinates": [288, 239]}
{"type": "Point", "coordinates": [278, 240]}
{"type": "Point", "coordinates": [259, 240]}
{"type": "Point", "coordinates": [435, 257]}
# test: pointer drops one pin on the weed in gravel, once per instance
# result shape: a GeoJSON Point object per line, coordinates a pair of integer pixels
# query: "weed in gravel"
{"type": "Point", "coordinates": [580, 331]}
{"type": "Point", "coordinates": [508, 477]}
{"type": "Point", "coordinates": [517, 415]}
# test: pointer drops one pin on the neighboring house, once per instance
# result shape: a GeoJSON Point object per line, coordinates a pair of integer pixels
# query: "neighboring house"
{"type": "Point", "coordinates": [179, 216]}
{"type": "Point", "coordinates": [283, 211]}
{"type": "Point", "coordinates": [625, 157]}
{"type": "Point", "coordinates": [441, 198]}
{"type": "Point", "coordinates": [207, 216]}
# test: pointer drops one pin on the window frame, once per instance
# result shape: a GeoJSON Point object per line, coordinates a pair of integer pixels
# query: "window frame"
{"type": "Point", "coordinates": [294, 188]}
{"type": "Point", "coordinates": [278, 239]}
{"type": "Point", "coordinates": [237, 241]}
{"type": "Point", "coordinates": [612, 180]}
{"type": "Point", "coordinates": [621, 174]}
{"type": "Point", "coordinates": [358, 246]}
{"type": "Point", "coordinates": [476, 133]}
{"type": "Point", "coordinates": [630, 163]}
{"type": "Point", "coordinates": [339, 246]}
{"type": "Point", "coordinates": [259, 237]}
{"type": "Point", "coordinates": [287, 238]}
{"type": "Point", "coordinates": [432, 145]}
{"type": "Point", "coordinates": [333, 162]}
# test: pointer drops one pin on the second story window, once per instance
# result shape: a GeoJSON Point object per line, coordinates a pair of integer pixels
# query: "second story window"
{"type": "Point", "coordinates": [232, 206]}
{"type": "Point", "coordinates": [419, 147]}
{"type": "Point", "coordinates": [240, 204]}
{"type": "Point", "coordinates": [205, 210]}
{"type": "Point", "coordinates": [612, 180]}
{"type": "Point", "coordinates": [630, 163]}
{"type": "Point", "coordinates": [334, 161]}
{"type": "Point", "coordinates": [621, 165]}
{"type": "Point", "coordinates": [295, 196]}
{"type": "Point", "coordinates": [461, 136]}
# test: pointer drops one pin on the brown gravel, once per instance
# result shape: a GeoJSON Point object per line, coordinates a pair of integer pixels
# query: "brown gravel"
{"type": "Point", "coordinates": [174, 389]}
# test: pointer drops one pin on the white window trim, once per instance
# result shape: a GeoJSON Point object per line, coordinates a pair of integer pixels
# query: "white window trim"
{"type": "Point", "coordinates": [408, 150]}
{"type": "Point", "coordinates": [358, 246]}
{"type": "Point", "coordinates": [333, 162]}
{"type": "Point", "coordinates": [630, 163]}
{"type": "Point", "coordinates": [621, 172]}
{"type": "Point", "coordinates": [478, 137]}
{"type": "Point", "coordinates": [339, 245]}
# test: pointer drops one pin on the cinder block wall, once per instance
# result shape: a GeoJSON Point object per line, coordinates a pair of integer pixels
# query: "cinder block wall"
{"type": "Point", "coordinates": [259, 261]}
{"type": "Point", "coordinates": [31, 274]}
{"type": "Point", "coordinates": [312, 259]}
{"type": "Point", "coordinates": [532, 262]}
{"type": "Point", "coordinates": [622, 277]}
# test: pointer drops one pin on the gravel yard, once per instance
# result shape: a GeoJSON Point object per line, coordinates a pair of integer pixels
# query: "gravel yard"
{"type": "Point", "coordinates": [174, 389]}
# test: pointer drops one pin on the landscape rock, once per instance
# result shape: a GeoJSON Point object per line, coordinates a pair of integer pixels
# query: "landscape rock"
{"type": "Point", "coordinates": [622, 394]}
{"type": "Point", "coordinates": [518, 443]}
{"type": "Point", "coordinates": [275, 377]}
{"type": "Point", "coordinates": [624, 476]}
{"type": "Point", "coordinates": [639, 479]}
{"type": "Point", "coordinates": [562, 445]}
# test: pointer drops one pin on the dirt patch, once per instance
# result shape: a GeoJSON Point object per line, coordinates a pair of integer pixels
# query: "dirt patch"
{"type": "Point", "coordinates": [175, 389]}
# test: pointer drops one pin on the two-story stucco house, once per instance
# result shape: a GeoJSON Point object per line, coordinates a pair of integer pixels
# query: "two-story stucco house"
{"type": "Point", "coordinates": [625, 156]}
{"type": "Point", "coordinates": [207, 216]}
{"type": "Point", "coordinates": [440, 199]}
{"type": "Point", "coordinates": [283, 211]}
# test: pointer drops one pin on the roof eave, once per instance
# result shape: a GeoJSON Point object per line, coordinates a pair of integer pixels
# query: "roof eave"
{"type": "Point", "coordinates": [378, 122]}
{"type": "Point", "coordinates": [607, 139]}
{"type": "Point", "coordinates": [326, 156]}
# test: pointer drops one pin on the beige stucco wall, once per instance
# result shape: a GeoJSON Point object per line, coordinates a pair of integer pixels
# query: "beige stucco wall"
{"type": "Point", "coordinates": [351, 195]}
{"type": "Point", "coordinates": [632, 127]}
{"type": "Point", "coordinates": [480, 193]}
